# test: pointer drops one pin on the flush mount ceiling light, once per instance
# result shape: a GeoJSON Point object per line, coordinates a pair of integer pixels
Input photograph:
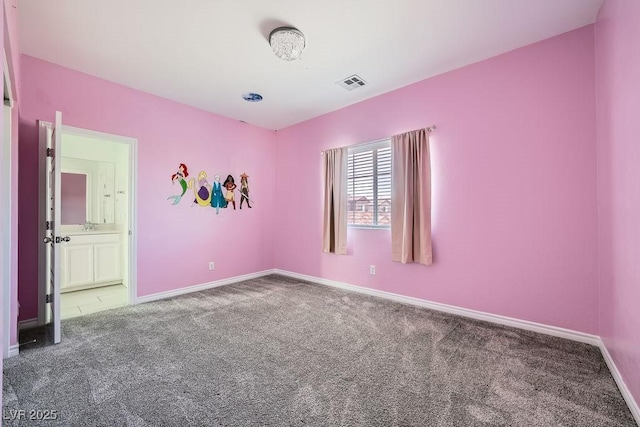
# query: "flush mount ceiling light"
{"type": "Point", "coordinates": [287, 43]}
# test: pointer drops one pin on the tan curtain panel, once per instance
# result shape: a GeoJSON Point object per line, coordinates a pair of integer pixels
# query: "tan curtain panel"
{"type": "Point", "coordinates": [334, 234]}
{"type": "Point", "coordinates": [411, 198]}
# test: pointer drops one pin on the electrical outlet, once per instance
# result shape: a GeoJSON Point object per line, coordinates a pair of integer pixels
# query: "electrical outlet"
{"type": "Point", "coordinates": [372, 269]}
{"type": "Point", "coordinates": [212, 265]}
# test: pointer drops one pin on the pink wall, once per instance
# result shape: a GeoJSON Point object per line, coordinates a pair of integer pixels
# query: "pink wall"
{"type": "Point", "coordinates": [514, 176]}
{"type": "Point", "coordinates": [175, 243]}
{"type": "Point", "coordinates": [617, 33]}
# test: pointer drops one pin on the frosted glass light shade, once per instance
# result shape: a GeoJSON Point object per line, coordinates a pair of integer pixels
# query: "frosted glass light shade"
{"type": "Point", "coordinates": [287, 43]}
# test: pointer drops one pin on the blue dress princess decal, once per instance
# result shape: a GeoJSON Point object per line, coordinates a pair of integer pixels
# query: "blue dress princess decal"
{"type": "Point", "coordinates": [217, 198]}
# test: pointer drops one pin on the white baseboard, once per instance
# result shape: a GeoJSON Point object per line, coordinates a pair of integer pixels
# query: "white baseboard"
{"type": "Point", "coordinates": [14, 350]}
{"type": "Point", "coordinates": [473, 314]}
{"type": "Point", "coordinates": [28, 323]}
{"type": "Point", "coordinates": [201, 287]}
{"type": "Point", "coordinates": [622, 386]}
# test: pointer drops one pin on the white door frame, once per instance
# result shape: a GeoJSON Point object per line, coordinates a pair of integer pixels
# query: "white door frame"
{"type": "Point", "coordinates": [5, 215]}
{"type": "Point", "coordinates": [5, 212]}
{"type": "Point", "coordinates": [132, 143]}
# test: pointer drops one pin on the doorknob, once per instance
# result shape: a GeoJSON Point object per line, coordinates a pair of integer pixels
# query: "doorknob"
{"type": "Point", "coordinates": [47, 240]}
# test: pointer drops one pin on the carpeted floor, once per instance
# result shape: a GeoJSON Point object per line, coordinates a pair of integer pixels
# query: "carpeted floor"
{"type": "Point", "coordinates": [276, 351]}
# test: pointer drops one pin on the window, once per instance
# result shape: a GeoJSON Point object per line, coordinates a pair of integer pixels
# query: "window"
{"type": "Point", "coordinates": [369, 185]}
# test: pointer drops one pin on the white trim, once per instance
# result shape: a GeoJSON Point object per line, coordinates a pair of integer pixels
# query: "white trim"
{"type": "Point", "coordinates": [6, 221]}
{"type": "Point", "coordinates": [445, 308]}
{"type": "Point", "coordinates": [28, 323]}
{"type": "Point", "coordinates": [132, 233]}
{"type": "Point", "coordinates": [622, 386]}
{"type": "Point", "coordinates": [202, 287]}
{"type": "Point", "coordinates": [7, 83]}
{"type": "Point", "coordinates": [14, 350]}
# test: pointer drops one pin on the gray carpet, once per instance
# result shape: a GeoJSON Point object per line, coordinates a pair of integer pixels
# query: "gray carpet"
{"type": "Point", "coordinates": [276, 351]}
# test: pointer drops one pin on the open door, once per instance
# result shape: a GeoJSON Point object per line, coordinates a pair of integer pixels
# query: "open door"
{"type": "Point", "coordinates": [52, 238]}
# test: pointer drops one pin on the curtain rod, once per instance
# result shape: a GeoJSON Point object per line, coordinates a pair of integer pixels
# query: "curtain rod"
{"type": "Point", "coordinates": [428, 129]}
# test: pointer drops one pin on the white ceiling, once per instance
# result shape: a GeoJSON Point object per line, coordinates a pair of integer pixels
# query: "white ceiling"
{"type": "Point", "coordinates": [207, 53]}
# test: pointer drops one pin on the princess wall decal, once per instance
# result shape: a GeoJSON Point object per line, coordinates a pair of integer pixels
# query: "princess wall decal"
{"type": "Point", "coordinates": [244, 190]}
{"type": "Point", "coordinates": [181, 178]}
{"type": "Point", "coordinates": [201, 190]}
{"type": "Point", "coordinates": [217, 197]}
{"type": "Point", "coordinates": [230, 185]}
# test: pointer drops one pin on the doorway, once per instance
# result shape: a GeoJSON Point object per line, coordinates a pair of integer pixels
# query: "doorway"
{"type": "Point", "coordinates": [97, 261]}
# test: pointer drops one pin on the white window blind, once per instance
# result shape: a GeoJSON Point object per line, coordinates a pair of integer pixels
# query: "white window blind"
{"type": "Point", "coordinates": [369, 185]}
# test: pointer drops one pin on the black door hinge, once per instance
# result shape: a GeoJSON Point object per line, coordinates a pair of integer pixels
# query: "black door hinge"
{"type": "Point", "coordinates": [48, 298]}
{"type": "Point", "coordinates": [50, 152]}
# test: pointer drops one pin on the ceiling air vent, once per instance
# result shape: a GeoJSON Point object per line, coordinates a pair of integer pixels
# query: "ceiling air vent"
{"type": "Point", "coordinates": [352, 82]}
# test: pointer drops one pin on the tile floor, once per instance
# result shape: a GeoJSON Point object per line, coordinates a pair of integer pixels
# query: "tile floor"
{"type": "Point", "coordinates": [79, 303]}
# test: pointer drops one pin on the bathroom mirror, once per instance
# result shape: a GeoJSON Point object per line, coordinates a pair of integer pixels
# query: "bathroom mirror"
{"type": "Point", "coordinates": [74, 198]}
{"type": "Point", "coordinates": [87, 191]}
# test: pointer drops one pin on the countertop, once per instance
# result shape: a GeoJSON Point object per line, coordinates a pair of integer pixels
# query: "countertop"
{"type": "Point", "coordinates": [89, 232]}
{"type": "Point", "coordinates": [77, 230]}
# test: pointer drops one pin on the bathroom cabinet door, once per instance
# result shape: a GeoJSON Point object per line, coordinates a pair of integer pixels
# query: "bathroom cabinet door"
{"type": "Point", "coordinates": [107, 262]}
{"type": "Point", "coordinates": [91, 260]}
{"type": "Point", "coordinates": [77, 265]}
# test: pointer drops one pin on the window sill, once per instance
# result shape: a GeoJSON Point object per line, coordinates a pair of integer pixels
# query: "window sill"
{"type": "Point", "coordinates": [369, 227]}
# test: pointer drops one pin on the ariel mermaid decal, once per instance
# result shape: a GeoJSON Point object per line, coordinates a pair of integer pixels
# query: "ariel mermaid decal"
{"type": "Point", "coordinates": [202, 190]}
{"type": "Point", "coordinates": [181, 178]}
